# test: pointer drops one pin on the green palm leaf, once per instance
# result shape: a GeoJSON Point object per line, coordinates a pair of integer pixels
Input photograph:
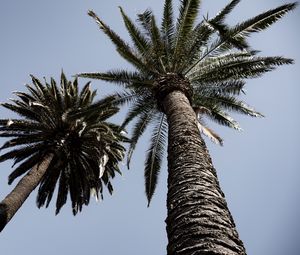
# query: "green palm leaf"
{"type": "Point", "coordinates": [168, 31]}
{"type": "Point", "coordinates": [261, 21]}
{"type": "Point", "coordinates": [238, 68]}
{"type": "Point", "coordinates": [138, 130]}
{"type": "Point", "coordinates": [122, 47]}
{"type": "Point", "coordinates": [187, 14]}
{"type": "Point", "coordinates": [141, 43]}
{"type": "Point", "coordinates": [154, 156]}
{"type": "Point", "coordinates": [121, 77]}
{"type": "Point", "coordinates": [141, 105]}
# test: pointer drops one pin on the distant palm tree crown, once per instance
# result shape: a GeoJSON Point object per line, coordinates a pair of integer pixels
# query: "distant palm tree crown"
{"type": "Point", "coordinates": [86, 149]}
{"type": "Point", "coordinates": [208, 61]}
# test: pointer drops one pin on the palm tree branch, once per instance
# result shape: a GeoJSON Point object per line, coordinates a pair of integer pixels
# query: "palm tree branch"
{"type": "Point", "coordinates": [168, 30]}
{"type": "Point", "coordinates": [187, 14]}
{"type": "Point", "coordinates": [154, 156]}
{"type": "Point", "coordinates": [140, 42]}
{"type": "Point", "coordinates": [138, 130]}
{"type": "Point", "coordinates": [122, 47]}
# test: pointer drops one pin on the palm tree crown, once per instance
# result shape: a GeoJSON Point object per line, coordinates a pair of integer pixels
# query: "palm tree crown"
{"type": "Point", "coordinates": [208, 61]}
{"type": "Point", "coordinates": [86, 149]}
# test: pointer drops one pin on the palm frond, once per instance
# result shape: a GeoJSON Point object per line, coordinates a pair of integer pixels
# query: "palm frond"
{"type": "Point", "coordinates": [238, 68]}
{"type": "Point", "coordinates": [157, 44]}
{"type": "Point", "coordinates": [125, 97]}
{"type": "Point", "coordinates": [91, 109]}
{"type": "Point", "coordinates": [123, 48]}
{"type": "Point", "coordinates": [32, 159]}
{"type": "Point", "coordinates": [154, 156]}
{"type": "Point", "coordinates": [25, 139]}
{"type": "Point", "coordinates": [141, 43]}
{"type": "Point", "coordinates": [138, 130]}
{"type": "Point", "coordinates": [223, 118]}
{"type": "Point", "coordinates": [261, 21]}
{"type": "Point", "coordinates": [21, 152]}
{"type": "Point", "coordinates": [121, 77]}
{"type": "Point", "coordinates": [198, 39]}
{"type": "Point", "coordinates": [142, 104]}
{"type": "Point", "coordinates": [214, 137]}
{"type": "Point", "coordinates": [48, 185]}
{"type": "Point", "coordinates": [168, 31]}
{"type": "Point", "coordinates": [231, 87]}
{"type": "Point", "coordinates": [144, 19]}
{"type": "Point", "coordinates": [230, 103]}
{"type": "Point", "coordinates": [20, 127]}
{"type": "Point", "coordinates": [63, 189]}
{"type": "Point", "coordinates": [27, 113]}
{"type": "Point", "coordinates": [187, 14]}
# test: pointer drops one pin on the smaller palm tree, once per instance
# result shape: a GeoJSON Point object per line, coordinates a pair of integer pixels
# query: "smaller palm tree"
{"type": "Point", "coordinates": [62, 137]}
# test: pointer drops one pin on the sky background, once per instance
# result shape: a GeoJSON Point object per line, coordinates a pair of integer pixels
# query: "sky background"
{"type": "Point", "coordinates": [258, 168]}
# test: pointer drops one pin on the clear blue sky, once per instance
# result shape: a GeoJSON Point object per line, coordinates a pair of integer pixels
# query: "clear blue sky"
{"type": "Point", "coordinates": [258, 168]}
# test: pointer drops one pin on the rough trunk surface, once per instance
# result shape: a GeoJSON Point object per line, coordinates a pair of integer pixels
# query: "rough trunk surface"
{"type": "Point", "coordinates": [14, 200]}
{"type": "Point", "coordinates": [198, 220]}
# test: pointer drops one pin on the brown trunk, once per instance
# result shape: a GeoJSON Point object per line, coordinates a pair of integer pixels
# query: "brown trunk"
{"type": "Point", "coordinates": [14, 200]}
{"type": "Point", "coordinates": [198, 220]}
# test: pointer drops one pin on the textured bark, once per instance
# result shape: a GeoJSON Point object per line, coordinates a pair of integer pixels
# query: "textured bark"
{"type": "Point", "coordinates": [198, 220]}
{"type": "Point", "coordinates": [14, 200]}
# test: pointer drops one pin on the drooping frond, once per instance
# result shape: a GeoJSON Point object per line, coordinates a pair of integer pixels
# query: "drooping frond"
{"type": "Point", "coordinates": [22, 152]}
{"type": "Point", "coordinates": [138, 130]}
{"type": "Point", "coordinates": [28, 162]}
{"type": "Point", "coordinates": [142, 104]}
{"type": "Point", "coordinates": [213, 136]}
{"type": "Point", "coordinates": [222, 118]}
{"type": "Point", "coordinates": [125, 97]}
{"type": "Point", "coordinates": [154, 156]}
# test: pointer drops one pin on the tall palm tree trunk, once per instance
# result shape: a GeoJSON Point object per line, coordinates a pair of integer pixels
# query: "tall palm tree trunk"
{"type": "Point", "coordinates": [14, 200]}
{"type": "Point", "coordinates": [198, 220]}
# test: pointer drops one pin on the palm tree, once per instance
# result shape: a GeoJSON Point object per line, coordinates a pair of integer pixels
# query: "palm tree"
{"type": "Point", "coordinates": [184, 71]}
{"type": "Point", "coordinates": [62, 137]}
